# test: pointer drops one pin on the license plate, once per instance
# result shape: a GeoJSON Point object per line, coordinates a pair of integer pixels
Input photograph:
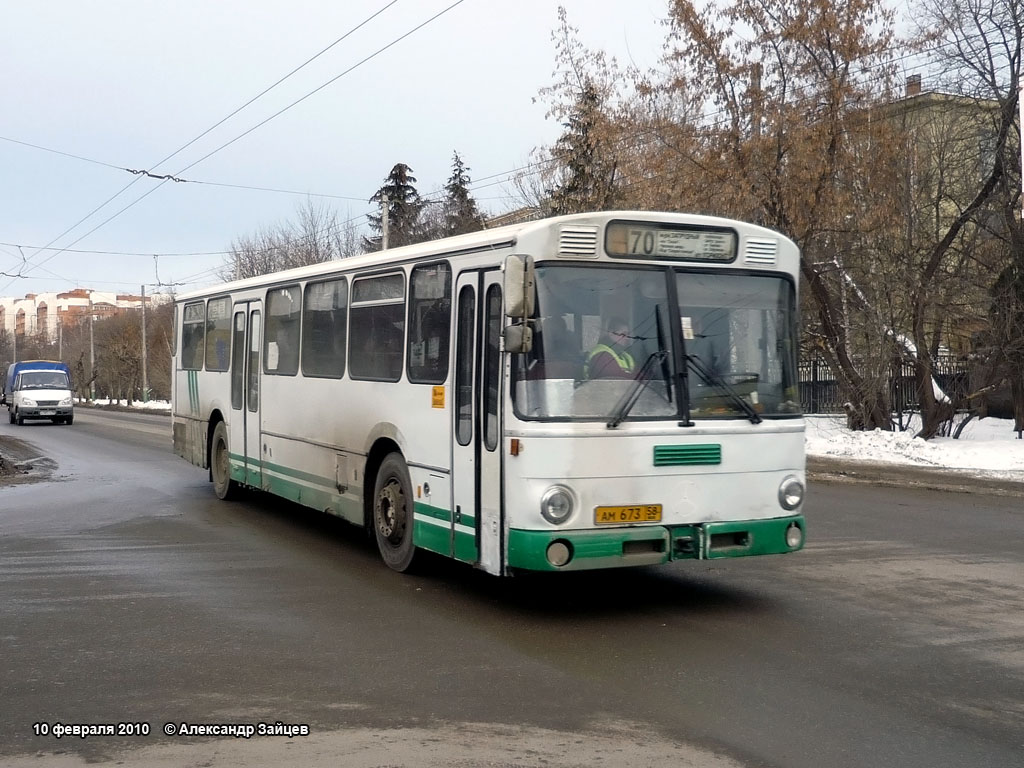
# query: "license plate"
{"type": "Point", "coordinates": [634, 513]}
{"type": "Point", "coordinates": [47, 413]}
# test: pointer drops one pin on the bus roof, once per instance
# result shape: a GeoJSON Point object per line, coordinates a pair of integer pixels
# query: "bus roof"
{"type": "Point", "coordinates": [488, 238]}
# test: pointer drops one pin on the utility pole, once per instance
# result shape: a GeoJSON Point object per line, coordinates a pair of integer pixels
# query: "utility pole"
{"type": "Point", "coordinates": [384, 222]}
{"type": "Point", "coordinates": [92, 354]}
{"type": "Point", "coordinates": [145, 383]}
{"type": "Point", "coordinates": [60, 339]}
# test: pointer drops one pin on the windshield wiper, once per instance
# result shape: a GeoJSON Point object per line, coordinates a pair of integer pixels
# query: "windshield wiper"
{"type": "Point", "coordinates": [701, 369]}
{"type": "Point", "coordinates": [641, 380]}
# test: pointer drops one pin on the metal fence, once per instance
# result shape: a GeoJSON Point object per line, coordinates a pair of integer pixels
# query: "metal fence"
{"type": "Point", "coordinates": [819, 390]}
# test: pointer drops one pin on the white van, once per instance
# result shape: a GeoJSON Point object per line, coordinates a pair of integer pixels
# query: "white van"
{"type": "Point", "coordinates": [40, 392]}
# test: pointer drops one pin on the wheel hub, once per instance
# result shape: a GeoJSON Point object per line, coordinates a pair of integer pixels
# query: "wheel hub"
{"type": "Point", "coordinates": [389, 504]}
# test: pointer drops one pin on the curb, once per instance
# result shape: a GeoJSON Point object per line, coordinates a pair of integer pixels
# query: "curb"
{"type": "Point", "coordinates": [835, 470]}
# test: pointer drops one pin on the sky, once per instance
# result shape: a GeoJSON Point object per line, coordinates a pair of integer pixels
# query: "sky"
{"type": "Point", "coordinates": [125, 83]}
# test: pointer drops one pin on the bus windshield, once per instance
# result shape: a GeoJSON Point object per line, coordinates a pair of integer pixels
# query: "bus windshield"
{"type": "Point", "coordinates": [607, 342]}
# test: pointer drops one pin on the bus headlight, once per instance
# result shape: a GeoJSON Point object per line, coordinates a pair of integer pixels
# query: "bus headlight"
{"type": "Point", "coordinates": [791, 493]}
{"type": "Point", "coordinates": [556, 504]}
{"type": "Point", "coordinates": [794, 536]}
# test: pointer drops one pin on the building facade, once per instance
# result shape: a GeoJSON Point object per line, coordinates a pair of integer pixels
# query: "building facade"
{"type": "Point", "coordinates": [44, 314]}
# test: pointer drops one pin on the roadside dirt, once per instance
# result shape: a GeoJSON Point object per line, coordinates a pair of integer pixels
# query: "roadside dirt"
{"type": "Point", "coordinates": [21, 463]}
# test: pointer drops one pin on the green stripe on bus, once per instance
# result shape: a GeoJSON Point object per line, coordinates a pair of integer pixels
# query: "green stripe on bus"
{"type": "Point", "coordinates": [434, 532]}
{"type": "Point", "coordinates": [298, 474]}
{"type": "Point", "coordinates": [465, 546]}
{"type": "Point", "coordinates": [591, 549]}
{"type": "Point", "coordinates": [436, 538]}
{"type": "Point", "coordinates": [327, 501]}
{"type": "Point", "coordinates": [438, 513]}
{"type": "Point", "coordinates": [687, 455]}
{"type": "Point", "coordinates": [649, 545]}
{"type": "Point", "coordinates": [743, 538]}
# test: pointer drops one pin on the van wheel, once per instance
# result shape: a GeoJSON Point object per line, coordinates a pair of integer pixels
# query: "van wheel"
{"type": "Point", "coordinates": [19, 418]}
{"type": "Point", "coordinates": [220, 464]}
{"type": "Point", "coordinates": [392, 513]}
{"type": "Point", "coordinates": [69, 420]}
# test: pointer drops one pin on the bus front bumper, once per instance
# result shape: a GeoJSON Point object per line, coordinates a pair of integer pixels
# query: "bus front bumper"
{"type": "Point", "coordinates": [654, 544]}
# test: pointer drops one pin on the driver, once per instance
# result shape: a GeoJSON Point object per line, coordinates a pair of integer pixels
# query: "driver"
{"type": "Point", "coordinates": [609, 358]}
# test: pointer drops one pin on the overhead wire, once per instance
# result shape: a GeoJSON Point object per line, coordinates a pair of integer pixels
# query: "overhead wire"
{"type": "Point", "coordinates": [504, 177]}
{"type": "Point", "coordinates": [255, 127]}
{"type": "Point", "coordinates": [204, 133]}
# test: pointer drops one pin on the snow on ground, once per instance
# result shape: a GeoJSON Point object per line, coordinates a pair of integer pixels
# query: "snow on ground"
{"type": "Point", "coordinates": [151, 405]}
{"type": "Point", "coordinates": [987, 448]}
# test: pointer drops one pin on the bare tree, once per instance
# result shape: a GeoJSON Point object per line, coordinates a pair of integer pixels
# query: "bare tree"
{"type": "Point", "coordinates": [979, 50]}
{"type": "Point", "coordinates": [317, 235]}
{"type": "Point", "coordinates": [782, 92]}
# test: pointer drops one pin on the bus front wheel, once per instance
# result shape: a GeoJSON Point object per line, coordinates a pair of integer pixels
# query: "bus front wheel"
{"type": "Point", "coordinates": [220, 464]}
{"type": "Point", "coordinates": [392, 513]}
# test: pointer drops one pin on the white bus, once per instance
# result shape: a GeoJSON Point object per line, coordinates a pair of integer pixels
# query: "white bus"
{"type": "Point", "coordinates": [587, 391]}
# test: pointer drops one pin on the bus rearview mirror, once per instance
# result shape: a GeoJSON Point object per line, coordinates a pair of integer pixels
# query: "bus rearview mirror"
{"type": "Point", "coordinates": [519, 286]}
{"type": "Point", "coordinates": [518, 338]}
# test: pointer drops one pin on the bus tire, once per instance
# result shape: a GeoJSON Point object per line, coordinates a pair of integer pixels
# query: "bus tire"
{"type": "Point", "coordinates": [220, 464]}
{"type": "Point", "coordinates": [392, 513]}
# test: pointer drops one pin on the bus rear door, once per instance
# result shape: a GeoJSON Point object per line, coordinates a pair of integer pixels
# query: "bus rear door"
{"type": "Point", "coordinates": [244, 427]}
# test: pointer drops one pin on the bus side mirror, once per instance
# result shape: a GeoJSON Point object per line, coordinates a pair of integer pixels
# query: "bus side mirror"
{"type": "Point", "coordinates": [519, 286]}
{"type": "Point", "coordinates": [518, 338]}
{"type": "Point", "coordinates": [519, 302]}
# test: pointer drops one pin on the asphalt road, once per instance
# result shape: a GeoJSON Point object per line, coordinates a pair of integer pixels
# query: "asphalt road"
{"type": "Point", "coordinates": [129, 594]}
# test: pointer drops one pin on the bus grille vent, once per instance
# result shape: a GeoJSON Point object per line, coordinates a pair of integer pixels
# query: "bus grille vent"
{"type": "Point", "coordinates": [760, 251]}
{"type": "Point", "coordinates": [687, 455]}
{"type": "Point", "coordinates": [578, 241]}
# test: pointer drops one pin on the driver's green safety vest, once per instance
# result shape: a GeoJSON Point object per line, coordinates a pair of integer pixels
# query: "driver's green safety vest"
{"type": "Point", "coordinates": [624, 359]}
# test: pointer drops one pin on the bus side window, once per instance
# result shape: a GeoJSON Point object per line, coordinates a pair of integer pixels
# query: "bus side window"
{"type": "Point", "coordinates": [281, 335]}
{"type": "Point", "coordinates": [492, 366]}
{"type": "Point", "coordinates": [238, 361]}
{"type": "Point", "coordinates": [377, 317]}
{"type": "Point", "coordinates": [464, 366]}
{"type": "Point", "coordinates": [430, 313]}
{"type": "Point", "coordinates": [324, 325]}
{"type": "Point", "coordinates": [193, 328]}
{"type": "Point", "coordinates": [218, 333]}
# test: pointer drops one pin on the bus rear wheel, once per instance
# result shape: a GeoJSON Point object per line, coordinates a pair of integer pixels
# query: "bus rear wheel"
{"type": "Point", "coordinates": [220, 464]}
{"type": "Point", "coordinates": [392, 513]}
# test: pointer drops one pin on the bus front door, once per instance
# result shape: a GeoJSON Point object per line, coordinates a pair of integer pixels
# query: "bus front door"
{"type": "Point", "coordinates": [477, 530]}
{"type": "Point", "coordinates": [244, 428]}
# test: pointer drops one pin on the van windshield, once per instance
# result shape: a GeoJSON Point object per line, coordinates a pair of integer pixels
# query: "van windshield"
{"type": "Point", "coordinates": [43, 380]}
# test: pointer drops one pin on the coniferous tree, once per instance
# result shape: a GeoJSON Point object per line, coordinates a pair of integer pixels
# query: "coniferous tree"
{"type": "Point", "coordinates": [461, 214]}
{"type": "Point", "coordinates": [405, 208]}
{"type": "Point", "coordinates": [588, 173]}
